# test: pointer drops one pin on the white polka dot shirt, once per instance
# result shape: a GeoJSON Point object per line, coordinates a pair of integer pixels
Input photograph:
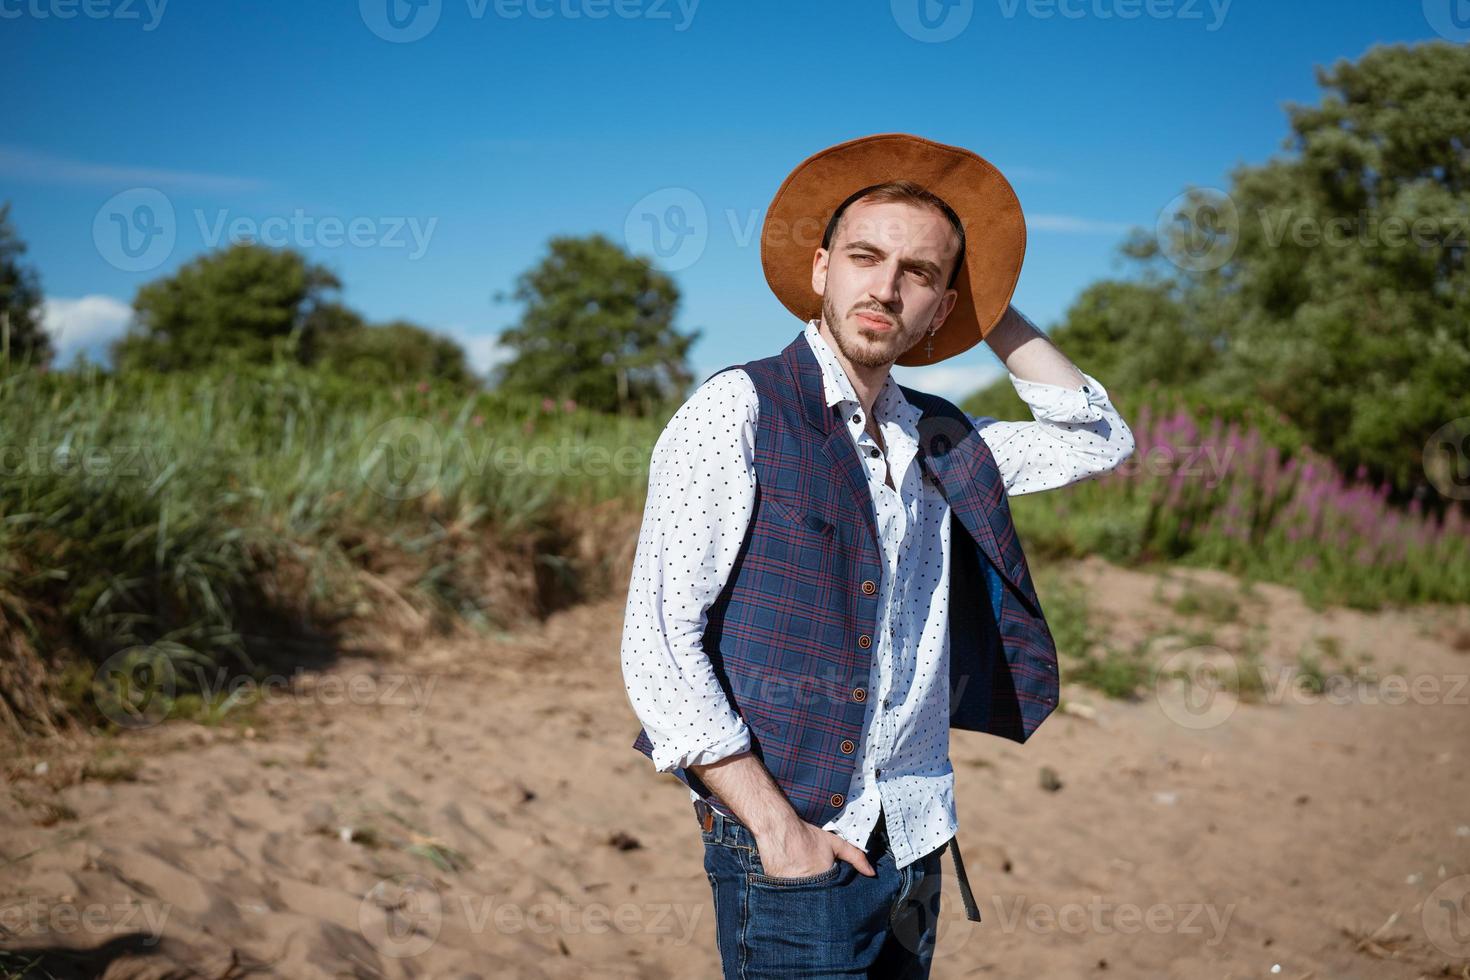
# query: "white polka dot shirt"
{"type": "Point", "coordinates": [701, 497]}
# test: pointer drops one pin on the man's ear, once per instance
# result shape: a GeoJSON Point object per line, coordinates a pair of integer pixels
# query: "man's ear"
{"type": "Point", "coordinates": [820, 258]}
{"type": "Point", "coordinates": [945, 308]}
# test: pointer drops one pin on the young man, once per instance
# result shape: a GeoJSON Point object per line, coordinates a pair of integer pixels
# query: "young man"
{"type": "Point", "coordinates": [827, 577]}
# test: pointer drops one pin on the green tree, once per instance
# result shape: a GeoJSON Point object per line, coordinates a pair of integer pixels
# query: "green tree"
{"type": "Point", "coordinates": [245, 301]}
{"type": "Point", "coordinates": [1341, 293]}
{"type": "Point", "coordinates": [598, 327]}
{"type": "Point", "coordinates": [395, 352]}
{"type": "Point", "coordinates": [22, 335]}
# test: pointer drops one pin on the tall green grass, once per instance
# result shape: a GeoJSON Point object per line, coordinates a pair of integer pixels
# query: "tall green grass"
{"type": "Point", "coordinates": [223, 516]}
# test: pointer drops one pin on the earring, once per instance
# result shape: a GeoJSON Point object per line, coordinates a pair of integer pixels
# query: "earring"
{"type": "Point", "coordinates": [929, 344]}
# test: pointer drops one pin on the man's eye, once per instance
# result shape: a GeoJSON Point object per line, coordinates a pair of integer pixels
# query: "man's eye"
{"type": "Point", "coordinates": [922, 276]}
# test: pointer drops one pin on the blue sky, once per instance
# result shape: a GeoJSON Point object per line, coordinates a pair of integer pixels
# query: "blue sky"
{"type": "Point", "coordinates": [426, 153]}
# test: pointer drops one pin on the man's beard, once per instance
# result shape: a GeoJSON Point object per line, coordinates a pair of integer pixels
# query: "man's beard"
{"type": "Point", "coordinates": [890, 347]}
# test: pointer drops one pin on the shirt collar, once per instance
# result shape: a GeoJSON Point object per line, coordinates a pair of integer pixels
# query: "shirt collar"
{"type": "Point", "coordinates": [890, 402]}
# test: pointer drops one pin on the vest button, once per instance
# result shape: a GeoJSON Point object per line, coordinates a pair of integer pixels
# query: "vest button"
{"type": "Point", "coordinates": [847, 746]}
{"type": "Point", "coordinates": [837, 799]}
{"type": "Point", "coordinates": [869, 586]}
{"type": "Point", "coordinates": [858, 694]}
{"type": "Point", "coordinates": [865, 641]}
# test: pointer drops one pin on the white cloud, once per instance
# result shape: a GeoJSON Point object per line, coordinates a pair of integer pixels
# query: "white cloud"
{"type": "Point", "coordinates": [87, 324]}
{"type": "Point", "coordinates": [483, 349]}
{"type": "Point", "coordinates": [953, 381]}
{"type": "Point", "coordinates": [1071, 224]}
{"type": "Point", "coordinates": [21, 164]}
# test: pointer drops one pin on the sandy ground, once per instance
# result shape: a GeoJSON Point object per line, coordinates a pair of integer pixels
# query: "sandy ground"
{"type": "Point", "coordinates": [474, 809]}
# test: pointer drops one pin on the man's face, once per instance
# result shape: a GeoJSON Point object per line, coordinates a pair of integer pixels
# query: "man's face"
{"type": "Point", "coordinates": [883, 282]}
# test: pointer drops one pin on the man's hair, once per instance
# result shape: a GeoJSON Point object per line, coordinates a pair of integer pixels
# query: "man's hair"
{"type": "Point", "coordinates": [908, 192]}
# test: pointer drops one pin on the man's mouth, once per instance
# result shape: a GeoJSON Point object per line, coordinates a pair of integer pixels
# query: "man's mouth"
{"type": "Point", "coordinates": [875, 321]}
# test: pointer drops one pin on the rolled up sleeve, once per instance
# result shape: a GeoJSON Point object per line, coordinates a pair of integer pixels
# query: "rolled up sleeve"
{"type": "Point", "coordinates": [1074, 434]}
{"type": "Point", "coordinates": [701, 495]}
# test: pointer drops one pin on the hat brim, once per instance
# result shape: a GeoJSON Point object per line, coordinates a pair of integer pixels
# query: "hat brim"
{"type": "Point", "coordinates": [995, 230]}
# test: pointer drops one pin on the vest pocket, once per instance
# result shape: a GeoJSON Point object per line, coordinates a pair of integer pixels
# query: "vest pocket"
{"type": "Point", "coordinates": [811, 521]}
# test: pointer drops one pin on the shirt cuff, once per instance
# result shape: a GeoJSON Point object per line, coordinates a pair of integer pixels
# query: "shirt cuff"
{"type": "Point", "coordinates": [670, 757]}
{"type": "Point", "coordinates": [1057, 403]}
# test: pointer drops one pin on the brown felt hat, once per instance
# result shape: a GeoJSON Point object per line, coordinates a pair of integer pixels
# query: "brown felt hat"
{"type": "Point", "coordinates": [995, 231]}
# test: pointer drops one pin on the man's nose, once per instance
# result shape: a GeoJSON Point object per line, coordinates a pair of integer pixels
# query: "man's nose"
{"type": "Point", "coordinates": [885, 287]}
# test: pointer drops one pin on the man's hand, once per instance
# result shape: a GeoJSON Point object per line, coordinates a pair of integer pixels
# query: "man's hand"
{"type": "Point", "coordinates": [800, 850]}
{"type": "Point", "coordinates": [789, 846]}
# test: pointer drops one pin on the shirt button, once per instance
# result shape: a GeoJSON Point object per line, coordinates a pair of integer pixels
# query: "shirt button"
{"type": "Point", "coordinates": [873, 452]}
{"type": "Point", "coordinates": [858, 694]}
{"type": "Point", "coordinates": [847, 746]}
{"type": "Point", "coordinates": [877, 773]}
{"type": "Point", "coordinates": [865, 641]}
{"type": "Point", "coordinates": [869, 586]}
{"type": "Point", "coordinates": [857, 416]}
{"type": "Point", "coordinates": [837, 799]}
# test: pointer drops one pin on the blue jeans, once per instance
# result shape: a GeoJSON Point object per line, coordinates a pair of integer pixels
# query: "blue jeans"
{"type": "Point", "coordinates": [838, 923]}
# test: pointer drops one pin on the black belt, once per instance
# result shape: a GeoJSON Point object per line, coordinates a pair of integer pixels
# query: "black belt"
{"type": "Point", "coordinates": [880, 832]}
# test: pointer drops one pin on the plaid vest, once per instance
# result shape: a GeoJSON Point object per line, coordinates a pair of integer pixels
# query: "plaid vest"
{"type": "Point", "coordinates": [790, 636]}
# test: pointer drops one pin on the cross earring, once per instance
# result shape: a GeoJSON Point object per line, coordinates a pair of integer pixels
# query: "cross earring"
{"type": "Point", "coordinates": [929, 345]}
